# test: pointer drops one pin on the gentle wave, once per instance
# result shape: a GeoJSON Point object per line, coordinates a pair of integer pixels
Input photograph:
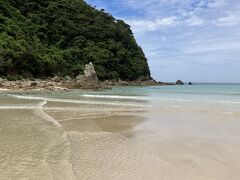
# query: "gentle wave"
{"type": "Point", "coordinates": [18, 107]}
{"type": "Point", "coordinates": [76, 101]}
{"type": "Point", "coordinates": [119, 103]}
{"type": "Point", "coordinates": [159, 98]}
{"type": "Point", "coordinates": [115, 97]}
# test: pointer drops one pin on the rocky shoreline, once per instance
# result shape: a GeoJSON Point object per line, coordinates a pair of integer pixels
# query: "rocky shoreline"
{"type": "Point", "coordinates": [88, 80]}
{"type": "Point", "coordinates": [63, 84]}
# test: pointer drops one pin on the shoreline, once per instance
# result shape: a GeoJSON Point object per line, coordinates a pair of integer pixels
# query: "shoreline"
{"type": "Point", "coordinates": [69, 84]}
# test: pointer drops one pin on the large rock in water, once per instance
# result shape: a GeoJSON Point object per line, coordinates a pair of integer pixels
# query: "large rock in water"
{"type": "Point", "coordinates": [89, 79]}
{"type": "Point", "coordinates": [179, 82]}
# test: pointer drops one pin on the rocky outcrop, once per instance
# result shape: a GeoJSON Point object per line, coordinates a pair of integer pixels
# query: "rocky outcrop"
{"type": "Point", "coordinates": [1, 80]}
{"type": "Point", "coordinates": [34, 84]}
{"type": "Point", "coordinates": [37, 84]}
{"type": "Point", "coordinates": [56, 79]}
{"type": "Point", "coordinates": [89, 79]}
{"type": "Point", "coordinates": [179, 82]}
{"type": "Point", "coordinates": [151, 82]}
{"type": "Point", "coordinates": [67, 78]}
{"type": "Point", "coordinates": [90, 73]}
{"type": "Point", "coordinates": [190, 83]}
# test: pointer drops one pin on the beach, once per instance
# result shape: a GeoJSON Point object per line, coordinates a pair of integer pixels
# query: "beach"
{"type": "Point", "coordinates": [124, 133]}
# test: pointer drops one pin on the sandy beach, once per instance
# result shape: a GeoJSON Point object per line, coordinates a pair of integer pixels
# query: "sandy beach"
{"type": "Point", "coordinates": [50, 135]}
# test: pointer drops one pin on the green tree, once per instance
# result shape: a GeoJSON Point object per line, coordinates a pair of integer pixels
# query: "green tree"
{"type": "Point", "coordinates": [58, 37]}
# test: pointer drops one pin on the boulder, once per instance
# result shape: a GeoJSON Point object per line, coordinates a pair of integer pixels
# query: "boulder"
{"type": "Point", "coordinates": [68, 78]}
{"type": "Point", "coordinates": [56, 79]}
{"type": "Point", "coordinates": [7, 84]}
{"type": "Point", "coordinates": [34, 84]}
{"type": "Point", "coordinates": [179, 82]}
{"type": "Point", "coordinates": [122, 83]}
{"type": "Point", "coordinates": [1, 80]}
{"type": "Point", "coordinates": [81, 78]}
{"type": "Point", "coordinates": [90, 73]}
{"type": "Point", "coordinates": [190, 83]}
{"type": "Point", "coordinates": [89, 79]}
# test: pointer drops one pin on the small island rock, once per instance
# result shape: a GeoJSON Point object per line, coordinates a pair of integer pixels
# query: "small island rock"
{"type": "Point", "coordinates": [179, 82]}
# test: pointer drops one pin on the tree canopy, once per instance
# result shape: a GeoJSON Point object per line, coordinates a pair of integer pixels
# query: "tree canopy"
{"type": "Point", "coordinates": [44, 38]}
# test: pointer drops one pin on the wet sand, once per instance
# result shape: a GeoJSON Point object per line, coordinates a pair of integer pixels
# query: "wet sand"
{"type": "Point", "coordinates": [153, 144]}
{"type": "Point", "coordinates": [48, 139]}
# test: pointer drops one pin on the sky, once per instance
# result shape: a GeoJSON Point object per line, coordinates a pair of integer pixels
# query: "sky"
{"type": "Point", "coordinates": [191, 40]}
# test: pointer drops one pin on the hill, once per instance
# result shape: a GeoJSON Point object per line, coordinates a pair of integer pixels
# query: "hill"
{"type": "Point", "coordinates": [44, 38]}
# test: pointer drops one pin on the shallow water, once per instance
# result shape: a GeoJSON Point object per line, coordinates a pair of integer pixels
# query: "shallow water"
{"type": "Point", "coordinates": [171, 132]}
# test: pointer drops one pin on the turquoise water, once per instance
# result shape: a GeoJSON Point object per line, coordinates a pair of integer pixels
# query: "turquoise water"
{"type": "Point", "coordinates": [215, 97]}
{"type": "Point", "coordinates": [229, 93]}
{"type": "Point", "coordinates": [200, 92]}
{"type": "Point", "coordinates": [201, 95]}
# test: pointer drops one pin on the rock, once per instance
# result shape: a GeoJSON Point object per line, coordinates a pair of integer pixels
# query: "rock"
{"type": "Point", "coordinates": [47, 84]}
{"type": "Point", "coordinates": [56, 79]}
{"type": "Point", "coordinates": [190, 83]}
{"type": "Point", "coordinates": [107, 83]}
{"type": "Point", "coordinates": [179, 82]}
{"type": "Point", "coordinates": [6, 84]}
{"type": "Point", "coordinates": [122, 83]}
{"type": "Point", "coordinates": [90, 73]}
{"type": "Point", "coordinates": [68, 78]}
{"type": "Point", "coordinates": [81, 78]}
{"type": "Point", "coordinates": [149, 83]}
{"type": "Point", "coordinates": [1, 80]}
{"type": "Point", "coordinates": [34, 84]}
{"type": "Point", "coordinates": [89, 79]}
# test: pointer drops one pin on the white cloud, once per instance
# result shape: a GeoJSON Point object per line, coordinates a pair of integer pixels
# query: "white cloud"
{"type": "Point", "coordinates": [194, 21]}
{"type": "Point", "coordinates": [160, 13]}
{"type": "Point", "coordinates": [186, 38]}
{"type": "Point", "coordinates": [217, 4]}
{"type": "Point", "coordinates": [213, 47]}
{"type": "Point", "coordinates": [231, 20]}
{"type": "Point", "coordinates": [167, 22]}
{"type": "Point", "coordinates": [152, 25]}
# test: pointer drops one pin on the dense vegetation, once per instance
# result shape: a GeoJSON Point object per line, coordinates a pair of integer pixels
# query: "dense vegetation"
{"type": "Point", "coordinates": [44, 38]}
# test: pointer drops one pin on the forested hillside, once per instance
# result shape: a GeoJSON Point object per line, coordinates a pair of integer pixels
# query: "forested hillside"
{"type": "Point", "coordinates": [44, 38]}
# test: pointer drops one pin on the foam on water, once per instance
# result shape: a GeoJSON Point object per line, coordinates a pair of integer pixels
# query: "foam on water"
{"type": "Point", "coordinates": [115, 97]}
{"type": "Point", "coordinates": [18, 107]}
{"type": "Point", "coordinates": [76, 101]}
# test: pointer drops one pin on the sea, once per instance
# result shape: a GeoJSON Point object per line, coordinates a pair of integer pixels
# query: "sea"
{"type": "Point", "coordinates": [124, 133]}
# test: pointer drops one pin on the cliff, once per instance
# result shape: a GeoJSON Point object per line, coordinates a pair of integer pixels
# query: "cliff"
{"type": "Point", "coordinates": [45, 38]}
